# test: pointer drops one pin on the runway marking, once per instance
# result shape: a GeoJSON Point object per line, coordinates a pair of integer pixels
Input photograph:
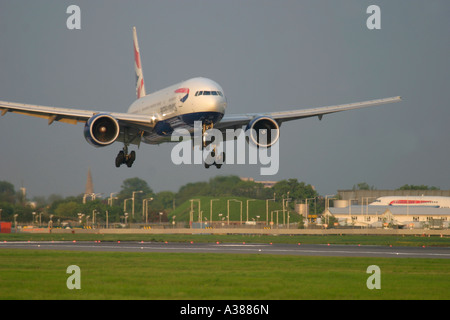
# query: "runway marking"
{"type": "Point", "coordinates": [242, 245]}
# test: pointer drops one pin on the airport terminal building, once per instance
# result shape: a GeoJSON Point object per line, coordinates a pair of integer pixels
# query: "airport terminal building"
{"type": "Point", "coordinates": [411, 209]}
{"type": "Point", "coordinates": [389, 216]}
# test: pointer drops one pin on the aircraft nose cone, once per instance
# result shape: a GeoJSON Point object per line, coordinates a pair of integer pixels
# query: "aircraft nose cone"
{"type": "Point", "coordinates": [219, 105]}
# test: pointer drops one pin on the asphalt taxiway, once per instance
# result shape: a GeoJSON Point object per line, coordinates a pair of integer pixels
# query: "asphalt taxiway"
{"type": "Point", "coordinates": [236, 248]}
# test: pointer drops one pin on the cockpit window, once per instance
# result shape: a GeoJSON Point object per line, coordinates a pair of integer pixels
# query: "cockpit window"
{"type": "Point", "coordinates": [209, 93]}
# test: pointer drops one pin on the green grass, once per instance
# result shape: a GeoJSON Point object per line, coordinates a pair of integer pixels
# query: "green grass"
{"type": "Point", "coordinates": [33, 274]}
{"type": "Point", "coordinates": [256, 207]}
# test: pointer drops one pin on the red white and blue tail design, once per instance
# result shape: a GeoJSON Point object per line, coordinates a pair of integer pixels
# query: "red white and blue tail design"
{"type": "Point", "coordinates": [140, 87]}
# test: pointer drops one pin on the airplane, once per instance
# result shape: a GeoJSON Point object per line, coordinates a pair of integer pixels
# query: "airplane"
{"type": "Point", "coordinates": [152, 118]}
{"type": "Point", "coordinates": [413, 201]}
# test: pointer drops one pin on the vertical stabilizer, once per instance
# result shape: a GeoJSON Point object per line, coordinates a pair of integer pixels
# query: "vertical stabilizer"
{"type": "Point", "coordinates": [140, 87]}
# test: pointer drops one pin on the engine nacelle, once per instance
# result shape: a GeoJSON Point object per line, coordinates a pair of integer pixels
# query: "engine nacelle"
{"type": "Point", "coordinates": [264, 131]}
{"type": "Point", "coordinates": [101, 130]}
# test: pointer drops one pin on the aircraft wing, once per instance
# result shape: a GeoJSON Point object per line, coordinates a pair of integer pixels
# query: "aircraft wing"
{"type": "Point", "coordinates": [234, 121]}
{"type": "Point", "coordinates": [69, 115]}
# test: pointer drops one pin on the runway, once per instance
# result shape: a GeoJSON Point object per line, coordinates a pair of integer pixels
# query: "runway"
{"type": "Point", "coordinates": [236, 248]}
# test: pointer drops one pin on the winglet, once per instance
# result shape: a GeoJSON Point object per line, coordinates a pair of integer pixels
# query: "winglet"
{"type": "Point", "coordinates": [140, 87]}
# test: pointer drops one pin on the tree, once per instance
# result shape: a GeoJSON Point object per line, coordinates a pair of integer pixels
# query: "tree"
{"type": "Point", "coordinates": [223, 185]}
{"type": "Point", "coordinates": [417, 187]}
{"type": "Point", "coordinates": [67, 209]}
{"type": "Point", "coordinates": [330, 221]}
{"type": "Point", "coordinates": [363, 186]}
{"type": "Point", "coordinates": [190, 190]}
{"type": "Point", "coordinates": [7, 192]}
{"type": "Point", "coordinates": [7, 211]}
{"type": "Point", "coordinates": [297, 190]}
{"type": "Point", "coordinates": [163, 200]}
{"type": "Point", "coordinates": [134, 184]}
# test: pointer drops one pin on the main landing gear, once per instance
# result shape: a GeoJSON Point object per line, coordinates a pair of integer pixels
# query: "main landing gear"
{"type": "Point", "coordinates": [219, 159]}
{"type": "Point", "coordinates": [124, 157]}
{"type": "Point", "coordinates": [214, 158]}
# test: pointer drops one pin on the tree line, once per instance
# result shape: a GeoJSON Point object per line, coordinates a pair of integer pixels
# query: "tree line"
{"type": "Point", "coordinates": [74, 207]}
{"type": "Point", "coordinates": [366, 186]}
{"type": "Point", "coordinates": [159, 205]}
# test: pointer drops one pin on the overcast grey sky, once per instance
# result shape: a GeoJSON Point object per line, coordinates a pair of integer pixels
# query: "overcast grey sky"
{"type": "Point", "coordinates": [266, 55]}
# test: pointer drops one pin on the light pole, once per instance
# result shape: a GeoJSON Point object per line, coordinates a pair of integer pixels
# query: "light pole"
{"type": "Point", "coordinates": [110, 200]}
{"type": "Point", "coordinates": [267, 208]}
{"type": "Point", "coordinates": [192, 209]}
{"type": "Point", "coordinates": [125, 204]}
{"type": "Point", "coordinates": [241, 208]}
{"type": "Point", "coordinates": [247, 206]}
{"type": "Point", "coordinates": [15, 222]}
{"type": "Point", "coordinates": [228, 211]}
{"type": "Point", "coordinates": [50, 223]}
{"type": "Point", "coordinates": [134, 192]}
{"type": "Point", "coordinates": [271, 218]}
{"type": "Point", "coordinates": [145, 205]}
{"type": "Point", "coordinates": [307, 209]}
{"type": "Point", "coordinates": [327, 200]}
{"type": "Point", "coordinates": [80, 217]}
{"type": "Point", "coordinates": [94, 195]}
{"type": "Point", "coordinates": [93, 218]}
{"type": "Point", "coordinates": [211, 210]}
{"type": "Point", "coordinates": [220, 218]}
{"type": "Point", "coordinates": [367, 203]}
{"type": "Point", "coordinates": [228, 208]}
{"type": "Point", "coordinates": [288, 217]}
{"type": "Point", "coordinates": [278, 223]}
{"type": "Point", "coordinates": [284, 205]}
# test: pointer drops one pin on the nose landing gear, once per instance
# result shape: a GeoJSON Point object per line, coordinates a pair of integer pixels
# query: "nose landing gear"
{"type": "Point", "coordinates": [214, 158]}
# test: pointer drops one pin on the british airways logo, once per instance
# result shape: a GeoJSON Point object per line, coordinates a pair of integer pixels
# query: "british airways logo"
{"type": "Point", "coordinates": [183, 90]}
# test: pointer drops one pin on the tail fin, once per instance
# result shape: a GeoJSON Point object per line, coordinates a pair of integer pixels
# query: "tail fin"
{"type": "Point", "coordinates": [140, 87]}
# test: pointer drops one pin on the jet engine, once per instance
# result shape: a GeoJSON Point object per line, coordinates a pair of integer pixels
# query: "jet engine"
{"type": "Point", "coordinates": [264, 131]}
{"type": "Point", "coordinates": [101, 130]}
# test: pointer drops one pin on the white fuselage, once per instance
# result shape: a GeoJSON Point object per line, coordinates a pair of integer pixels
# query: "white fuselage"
{"type": "Point", "coordinates": [413, 201]}
{"type": "Point", "coordinates": [178, 106]}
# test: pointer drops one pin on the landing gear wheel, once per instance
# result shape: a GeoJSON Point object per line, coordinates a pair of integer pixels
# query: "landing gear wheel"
{"type": "Point", "coordinates": [124, 157]}
{"type": "Point", "coordinates": [220, 160]}
{"type": "Point", "coordinates": [131, 159]}
{"type": "Point", "coordinates": [120, 159]}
